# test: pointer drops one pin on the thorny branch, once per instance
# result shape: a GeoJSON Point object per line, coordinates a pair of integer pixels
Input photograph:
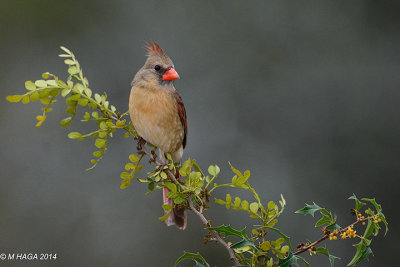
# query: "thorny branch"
{"type": "Point", "coordinates": [326, 236]}
{"type": "Point", "coordinates": [217, 237]}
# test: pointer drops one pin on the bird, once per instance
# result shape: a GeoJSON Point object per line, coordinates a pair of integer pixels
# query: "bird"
{"type": "Point", "coordinates": [158, 114]}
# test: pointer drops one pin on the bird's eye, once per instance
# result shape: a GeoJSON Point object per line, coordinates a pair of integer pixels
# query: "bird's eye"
{"type": "Point", "coordinates": [157, 67]}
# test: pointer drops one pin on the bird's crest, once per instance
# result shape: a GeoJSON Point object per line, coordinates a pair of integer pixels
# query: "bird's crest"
{"type": "Point", "coordinates": [153, 48]}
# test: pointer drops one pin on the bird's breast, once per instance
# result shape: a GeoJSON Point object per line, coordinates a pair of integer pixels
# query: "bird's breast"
{"type": "Point", "coordinates": [155, 117]}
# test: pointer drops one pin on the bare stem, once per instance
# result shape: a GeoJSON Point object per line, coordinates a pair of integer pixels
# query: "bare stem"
{"type": "Point", "coordinates": [215, 234]}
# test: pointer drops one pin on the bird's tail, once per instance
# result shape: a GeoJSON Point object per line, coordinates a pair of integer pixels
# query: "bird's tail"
{"type": "Point", "coordinates": [177, 216]}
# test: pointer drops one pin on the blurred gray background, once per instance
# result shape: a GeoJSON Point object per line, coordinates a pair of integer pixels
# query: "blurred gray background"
{"type": "Point", "coordinates": [303, 94]}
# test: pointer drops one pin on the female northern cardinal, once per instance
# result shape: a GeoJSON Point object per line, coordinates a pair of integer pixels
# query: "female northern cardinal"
{"type": "Point", "coordinates": [158, 114]}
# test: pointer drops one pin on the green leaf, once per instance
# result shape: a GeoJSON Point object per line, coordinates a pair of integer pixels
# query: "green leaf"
{"type": "Point", "coordinates": [125, 183]}
{"type": "Point", "coordinates": [29, 85]}
{"type": "Point", "coordinates": [25, 100]}
{"type": "Point", "coordinates": [324, 251]}
{"type": "Point", "coordinates": [69, 62]}
{"type": "Point", "coordinates": [285, 237]}
{"type": "Point", "coordinates": [167, 207]}
{"type": "Point", "coordinates": [40, 83]}
{"type": "Point", "coordinates": [65, 92]}
{"type": "Point", "coordinates": [166, 215]}
{"type": "Point", "coordinates": [66, 50]}
{"type": "Point", "coordinates": [66, 122]}
{"type": "Point", "coordinates": [359, 203]}
{"type": "Point", "coordinates": [332, 227]}
{"type": "Point", "coordinates": [326, 218]}
{"type": "Point", "coordinates": [243, 243]}
{"type": "Point", "coordinates": [289, 260]}
{"type": "Point", "coordinates": [129, 166]}
{"type": "Point", "coordinates": [88, 92]}
{"type": "Point", "coordinates": [125, 175]}
{"type": "Point", "coordinates": [73, 70]}
{"type": "Point", "coordinates": [192, 256]}
{"type": "Point", "coordinates": [133, 158]}
{"type": "Point", "coordinates": [83, 102]}
{"type": "Point", "coordinates": [35, 96]}
{"type": "Point", "coordinates": [14, 98]}
{"type": "Point", "coordinates": [213, 170]}
{"type": "Point", "coordinates": [254, 207]}
{"type": "Point", "coordinates": [362, 252]}
{"type": "Point", "coordinates": [97, 97]}
{"type": "Point", "coordinates": [220, 201]}
{"type": "Point", "coordinates": [229, 231]}
{"type": "Point", "coordinates": [304, 261]}
{"type": "Point", "coordinates": [99, 143]}
{"type": "Point", "coordinates": [309, 209]}
{"type": "Point", "coordinates": [74, 135]}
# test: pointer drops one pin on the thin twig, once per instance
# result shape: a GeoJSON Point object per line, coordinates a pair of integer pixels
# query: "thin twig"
{"type": "Point", "coordinates": [326, 236]}
{"type": "Point", "coordinates": [216, 235]}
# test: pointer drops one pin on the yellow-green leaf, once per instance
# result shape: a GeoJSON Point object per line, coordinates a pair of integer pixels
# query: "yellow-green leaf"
{"type": "Point", "coordinates": [25, 100]}
{"type": "Point", "coordinates": [99, 143]}
{"type": "Point", "coordinates": [254, 207]}
{"type": "Point", "coordinates": [14, 98]}
{"type": "Point", "coordinates": [133, 158]}
{"type": "Point", "coordinates": [41, 83]}
{"type": "Point", "coordinates": [129, 166]}
{"type": "Point", "coordinates": [35, 96]}
{"type": "Point", "coordinates": [125, 183]}
{"type": "Point", "coordinates": [29, 85]}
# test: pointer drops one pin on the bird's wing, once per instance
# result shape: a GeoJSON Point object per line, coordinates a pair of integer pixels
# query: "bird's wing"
{"type": "Point", "coordinates": [182, 117]}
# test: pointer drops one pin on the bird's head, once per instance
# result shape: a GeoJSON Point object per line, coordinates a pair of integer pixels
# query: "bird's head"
{"type": "Point", "coordinates": [158, 67]}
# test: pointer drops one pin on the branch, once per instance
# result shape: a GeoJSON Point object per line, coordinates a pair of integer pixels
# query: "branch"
{"type": "Point", "coordinates": [326, 236]}
{"type": "Point", "coordinates": [216, 235]}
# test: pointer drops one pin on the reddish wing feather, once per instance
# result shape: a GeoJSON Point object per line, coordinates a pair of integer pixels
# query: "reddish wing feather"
{"type": "Point", "coordinates": [182, 116]}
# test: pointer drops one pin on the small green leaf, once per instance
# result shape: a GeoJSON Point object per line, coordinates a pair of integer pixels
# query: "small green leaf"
{"type": "Point", "coordinates": [254, 207]}
{"type": "Point", "coordinates": [166, 215]}
{"type": "Point", "coordinates": [69, 62]}
{"type": "Point", "coordinates": [65, 50]}
{"type": "Point", "coordinates": [83, 102]}
{"type": "Point", "coordinates": [289, 260]}
{"type": "Point", "coordinates": [362, 252]}
{"type": "Point", "coordinates": [309, 209]}
{"type": "Point", "coordinates": [359, 203]}
{"type": "Point", "coordinates": [229, 231]}
{"type": "Point", "coordinates": [125, 175]}
{"type": "Point", "coordinates": [98, 153]}
{"type": "Point", "coordinates": [66, 122]}
{"type": "Point", "coordinates": [29, 85]}
{"type": "Point", "coordinates": [99, 143]}
{"type": "Point", "coordinates": [35, 96]}
{"type": "Point", "coordinates": [324, 251]}
{"type": "Point", "coordinates": [88, 92]}
{"type": "Point", "coordinates": [65, 92]}
{"type": "Point", "coordinates": [14, 98]}
{"type": "Point", "coordinates": [129, 166]}
{"type": "Point", "coordinates": [285, 237]}
{"type": "Point", "coordinates": [97, 97]}
{"type": "Point", "coordinates": [73, 70]}
{"type": "Point", "coordinates": [25, 100]}
{"type": "Point", "coordinates": [125, 183]}
{"type": "Point", "coordinates": [193, 256]}
{"type": "Point", "coordinates": [163, 175]}
{"type": "Point", "coordinates": [74, 135]}
{"type": "Point", "coordinates": [167, 207]}
{"type": "Point", "coordinates": [133, 158]}
{"type": "Point", "coordinates": [40, 83]}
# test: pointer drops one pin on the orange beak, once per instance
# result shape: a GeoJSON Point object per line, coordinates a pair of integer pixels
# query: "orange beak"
{"type": "Point", "coordinates": [170, 75]}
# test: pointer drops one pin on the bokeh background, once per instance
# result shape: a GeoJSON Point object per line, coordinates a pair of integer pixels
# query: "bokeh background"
{"type": "Point", "coordinates": [303, 94]}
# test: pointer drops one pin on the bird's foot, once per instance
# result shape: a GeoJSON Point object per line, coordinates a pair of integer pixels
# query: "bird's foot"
{"type": "Point", "coordinates": [140, 143]}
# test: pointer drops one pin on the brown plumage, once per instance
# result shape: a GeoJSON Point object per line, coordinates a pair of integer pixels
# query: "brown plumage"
{"type": "Point", "coordinates": [158, 114]}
